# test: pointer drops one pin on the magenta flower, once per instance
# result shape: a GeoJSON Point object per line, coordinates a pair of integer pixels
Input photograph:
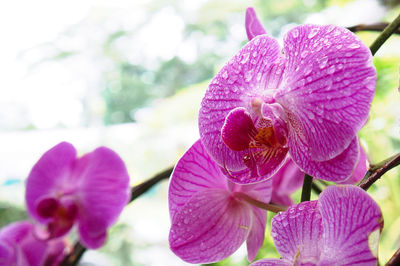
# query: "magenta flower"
{"type": "Point", "coordinates": [209, 215]}
{"type": "Point", "coordinates": [341, 228]}
{"type": "Point", "coordinates": [90, 191]}
{"type": "Point", "coordinates": [308, 100]}
{"type": "Point", "coordinates": [19, 246]}
{"type": "Point", "coordinates": [289, 178]}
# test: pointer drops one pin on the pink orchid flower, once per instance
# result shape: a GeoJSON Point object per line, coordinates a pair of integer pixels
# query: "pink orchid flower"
{"type": "Point", "coordinates": [91, 191]}
{"type": "Point", "coordinates": [308, 100]}
{"type": "Point", "coordinates": [19, 246]}
{"type": "Point", "coordinates": [341, 228]}
{"type": "Point", "coordinates": [209, 214]}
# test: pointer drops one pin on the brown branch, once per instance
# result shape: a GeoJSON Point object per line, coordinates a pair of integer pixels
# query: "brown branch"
{"type": "Point", "coordinates": [136, 191]}
{"type": "Point", "coordinates": [395, 259]}
{"type": "Point", "coordinates": [376, 171]}
{"type": "Point", "coordinates": [377, 27]}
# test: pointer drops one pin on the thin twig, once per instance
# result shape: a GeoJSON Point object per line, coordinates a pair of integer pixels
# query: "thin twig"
{"type": "Point", "coordinates": [395, 259]}
{"type": "Point", "coordinates": [377, 27]}
{"type": "Point", "coordinates": [386, 33]}
{"type": "Point", "coordinates": [306, 191]}
{"type": "Point", "coordinates": [378, 170]}
{"type": "Point", "coordinates": [77, 252]}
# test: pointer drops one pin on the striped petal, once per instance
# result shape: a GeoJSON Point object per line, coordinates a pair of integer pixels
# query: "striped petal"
{"type": "Point", "coordinates": [352, 222]}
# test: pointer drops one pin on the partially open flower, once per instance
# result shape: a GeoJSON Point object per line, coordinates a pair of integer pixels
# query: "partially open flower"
{"type": "Point", "coordinates": [341, 228]}
{"type": "Point", "coordinates": [91, 191]}
{"type": "Point", "coordinates": [19, 246]}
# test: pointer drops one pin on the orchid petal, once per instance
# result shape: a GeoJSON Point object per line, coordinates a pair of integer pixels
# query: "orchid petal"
{"type": "Point", "coordinates": [336, 169]}
{"type": "Point", "coordinates": [351, 221]}
{"type": "Point", "coordinates": [253, 25]}
{"type": "Point", "coordinates": [328, 86]}
{"type": "Point", "coordinates": [195, 171]}
{"type": "Point", "coordinates": [24, 248]}
{"type": "Point", "coordinates": [256, 67]}
{"type": "Point", "coordinates": [104, 192]}
{"type": "Point", "coordinates": [360, 170]}
{"type": "Point", "coordinates": [209, 227]}
{"type": "Point", "coordinates": [297, 232]}
{"type": "Point", "coordinates": [238, 129]}
{"type": "Point", "coordinates": [48, 175]}
{"type": "Point", "coordinates": [257, 232]}
{"type": "Point", "coordinates": [271, 262]}
{"type": "Point", "coordinates": [287, 180]}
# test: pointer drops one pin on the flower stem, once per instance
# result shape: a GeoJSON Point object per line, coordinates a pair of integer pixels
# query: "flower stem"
{"type": "Point", "coordinates": [395, 259]}
{"type": "Point", "coordinates": [377, 27]}
{"type": "Point", "coordinates": [262, 205]}
{"type": "Point", "coordinates": [307, 185]}
{"type": "Point", "coordinates": [136, 191]}
{"type": "Point", "coordinates": [376, 171]}
{"type": "Point", "coordinates": [386, 33]}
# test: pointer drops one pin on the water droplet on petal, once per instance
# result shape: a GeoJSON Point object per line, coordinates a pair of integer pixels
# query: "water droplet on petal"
{"type": "Point", "coordinates": [295, 33]}
{"type": "Point", "coordinates": [308, 69]}
{"type": "Point", "coordinates": [340, 66]}
{"type": "Point", "coordinates": [336, 33]}
{"type": "Point", "coordinates": [322, 62]}
{"type": "Point", "coordinates": [312, 129]}
{"type": "Point", "coordinates": [202, 246]}
{"type": "Point", "coordinates": [312, 33]}
{"type": "Point", "coordinates": [225, 74]}
{"type": "Point", "coordinates": [304, 54]}
{"type": "Point", "coordinates": [354, 46]}
{"type": "Point", "coordinates": [331, 70]}
{"type": "Point", "coordinates": [245, 58]}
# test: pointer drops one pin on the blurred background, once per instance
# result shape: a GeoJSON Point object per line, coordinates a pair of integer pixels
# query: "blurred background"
{"type": "Point", "coordinates": [130, 75]}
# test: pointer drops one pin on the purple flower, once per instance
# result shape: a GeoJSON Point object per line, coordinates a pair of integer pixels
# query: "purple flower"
{"type": "Point", "coordinates": [210, 218]}
{"type": "Point", "coordinates": [19, 246]}
{"type": "Point", "coordinates": [90, 190]}
{"type": "Point", "coordinates": [308, 100]}
{"type": "Point", "coordinates": [289, 178]}
{"type": "Point", "coordinates": [341, 228]}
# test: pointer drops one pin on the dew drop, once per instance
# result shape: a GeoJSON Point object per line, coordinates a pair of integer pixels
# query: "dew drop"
{"type": "Point", "coordinates": [336, 33]}
{"type": "Point", "coordinates": [304, 54]}
{"type": "Point", "coordinates": [202, 246]}
{"type": "Point", "coordinates": [307, 70]}
{"type": "Point", "coordinates": [322, 62]}
{"type": "Point", "coordinates": [339, 46]}
{"type": "Point", "coordinates": [295, 33]}
{"type": "Point", "coordinates": [245, 58]}
{"type": "Point", "coordinates": [225, 74]}
{"type": "Point", "coordinates": [312, 33]}
{"type": "Point", "coordinates": [311, 115]}
{"type": "Point", "coordinates": [346, 82]}
{"type": "Point", "coordinates": [254, 53]}
{"type": "Point", "coordinates": [330, 28]}
{"type": "Point", "coordinates": [312, 129]}
{"type": "Point", "coordinates": [186, 220]}
{"type": "Point", "coordinates": [354, 46]}
{"type": "Point", "coordinates": [340, 66]}
{"type": "Point", "coordinates": [309, 79]}
{"type": "Point", "coordinates": [257, 41]}
{"type": "Point", "coordinates": [331, 70]}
